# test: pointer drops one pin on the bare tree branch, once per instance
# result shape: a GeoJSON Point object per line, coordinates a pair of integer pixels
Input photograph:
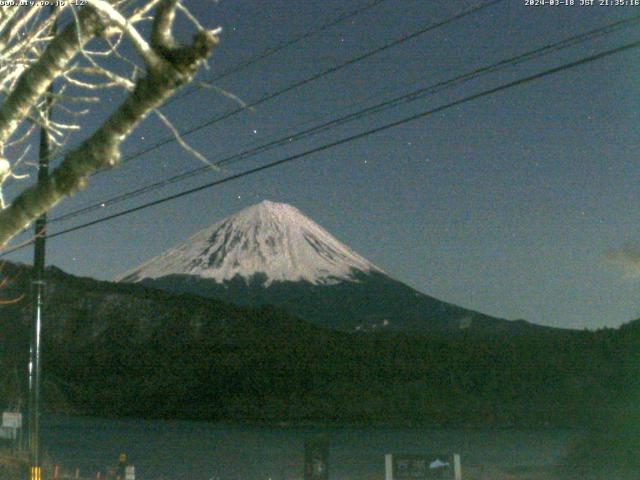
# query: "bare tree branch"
{"type": "Point", "coordinates": [35, 81]}
{"type": "Point", "coordinates": [168, 67]}
{"type": "Point", "coordinates": [163, 118]}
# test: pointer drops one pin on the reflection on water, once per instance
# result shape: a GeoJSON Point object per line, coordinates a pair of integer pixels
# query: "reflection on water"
{"type": "Point", "coordinates": [180, 450]}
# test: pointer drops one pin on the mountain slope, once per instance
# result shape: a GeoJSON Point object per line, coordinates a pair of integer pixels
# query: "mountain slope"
{"type": "Point", "coordinates": [374, 302]}
{"type": "Point", "coordinates": [270, 253]}
{"type": "Point", "coordinates": [270, 238]}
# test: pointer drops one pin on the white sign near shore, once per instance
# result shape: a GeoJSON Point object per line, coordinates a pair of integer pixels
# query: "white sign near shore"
{"type": "Point", "coordinates": [422, 467]}
{"type": "Point", "coordinates": [130, 473]}
{"type": "Point", "coordinates": [12, 420]}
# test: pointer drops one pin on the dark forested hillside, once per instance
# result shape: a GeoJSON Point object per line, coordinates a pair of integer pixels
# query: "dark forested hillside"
{"type": "Point", "coordinates": [112, 349]}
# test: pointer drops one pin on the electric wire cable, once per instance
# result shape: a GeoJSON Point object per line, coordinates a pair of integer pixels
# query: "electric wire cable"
{"type": "Point", "coordinates": [270, 96]}
{"type": "Point", "coordinates": [258, 57]}
{"type": "Point", "coordinates": [277, 48]}
{"type": "Point", "coordinates": [406, 98]}
{"type": "Point", "coordinates": [364, 134]}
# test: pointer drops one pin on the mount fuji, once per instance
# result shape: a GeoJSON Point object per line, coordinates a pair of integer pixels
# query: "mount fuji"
{"type": "Point", "coordinates": [273, 239]}
{"type": "Point", "coordinates": [271, 253]}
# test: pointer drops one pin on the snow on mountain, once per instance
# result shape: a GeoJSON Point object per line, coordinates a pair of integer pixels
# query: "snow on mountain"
{"type": "Point", "coordinates": [274, 239]}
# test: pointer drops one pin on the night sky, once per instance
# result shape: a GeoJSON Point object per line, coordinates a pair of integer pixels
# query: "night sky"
{"type": "Point", "coordinates": [523, 204]}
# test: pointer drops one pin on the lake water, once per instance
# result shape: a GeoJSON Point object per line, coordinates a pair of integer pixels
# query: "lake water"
{"type": "Point", "coordinates": [180, 450]}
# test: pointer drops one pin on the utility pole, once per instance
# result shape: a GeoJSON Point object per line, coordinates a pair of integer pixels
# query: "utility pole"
{"type": "Point", "coordinates": [37, 299]}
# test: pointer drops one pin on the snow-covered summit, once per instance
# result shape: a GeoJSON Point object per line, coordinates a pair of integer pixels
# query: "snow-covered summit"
{"type": "Point", "coordinates": [274, 239]}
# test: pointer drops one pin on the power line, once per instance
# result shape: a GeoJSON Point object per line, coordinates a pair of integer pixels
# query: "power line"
{"type": "Point", "coordinates": [270, 96]}
{"type": "Point", "coordinates": [264, 54]}
{"type": "Point", "coordinates": [172, 138]}
{"type": "Point", "coordinates": [406, 98]}
{"type": "Point", "coordinates": [314, 77]}
{"type": "Point", "coordinates": [275, 49]}
{"type": "Point", "coordinates": [348, 139]}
